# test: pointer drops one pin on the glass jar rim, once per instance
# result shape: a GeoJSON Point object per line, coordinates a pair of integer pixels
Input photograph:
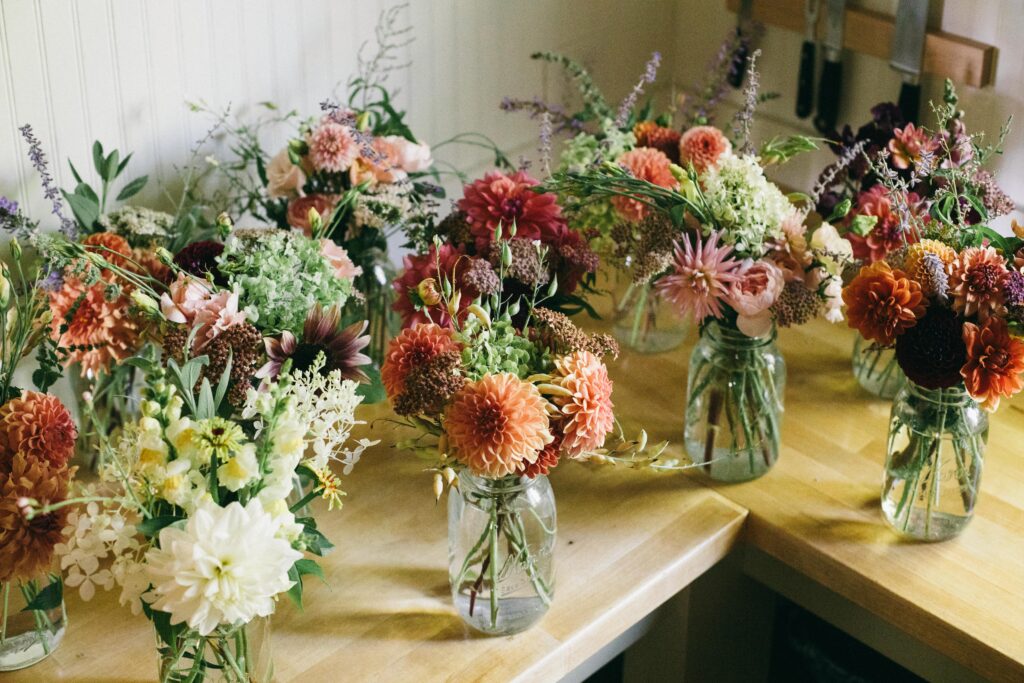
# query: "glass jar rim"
{"type": "Point", "coordinates": [732, 336]}
{"type": "Point", "coordinates": [956, 394]}
{"type": "Point", "coordinates": [512, 483]}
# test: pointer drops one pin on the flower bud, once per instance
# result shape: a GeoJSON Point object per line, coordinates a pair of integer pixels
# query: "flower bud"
{"type": "Point", "coordinates": [427, 291]}
{"type": "Point", "coordinates": [506, 254]}
{"type": "Point", "coordinates": [453, 304]}
{"type": "Point", "coordinates": [145, 302]}
{"type": "Point", "coordinates": [1018, 229]}
{"type": "Point", "coordinates": [449, 475]}
{"type": "Point", "coordinates": [224, 224]}
{"type": "Point", "coordinates": [165, 257]}
{"type": "Point", "coordinates": [5, 289]}
{"type": "Point", "coordinates": [16, 250]}
{"type": "Point", "coordinates": [512, 230]}
{"type": "Point", "coordinates": [316, 222]}
{"type": "Point", "coordinates": [438, 485]}
{"type": "Point", "coordinates": [497, 232]}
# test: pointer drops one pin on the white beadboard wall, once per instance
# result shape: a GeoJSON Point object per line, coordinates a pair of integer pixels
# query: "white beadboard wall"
{"type": "Point", "coordinates": [121, 70]}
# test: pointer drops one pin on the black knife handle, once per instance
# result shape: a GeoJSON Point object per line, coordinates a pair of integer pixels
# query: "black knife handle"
{"type": "Point", "coordinates": [738, 68]}
{"type": "Point", "coordinates": [910, 101]}
{"type": "Point", "coordinates": [828, 97]}
{"type": "Point", "coordinates": [805, 81]}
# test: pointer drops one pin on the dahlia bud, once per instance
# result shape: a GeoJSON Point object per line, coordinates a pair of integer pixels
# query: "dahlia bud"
{"type": "Point", "coordinates": [16, 249]}
{"type": "Point", "coordinates": [438, 485]}
{"type": "Point", "coordinates": [427, 292]}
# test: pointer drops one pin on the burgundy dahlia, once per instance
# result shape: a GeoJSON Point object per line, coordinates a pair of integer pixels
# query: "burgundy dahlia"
{"type": "Point", "coordinates": [200, 258]}
{"type": "Point", "coordinates": [932, 352]}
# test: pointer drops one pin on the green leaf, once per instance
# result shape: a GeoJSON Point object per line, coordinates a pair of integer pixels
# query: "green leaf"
{"type": "Point", "coordinates": [166, 631]}
{"type": "Point", "coordinates": [308, 567]}
{"type": "Point", "coordinates": [74, 172]}
{"type": "Point", "coordinates": [97, 157]}
{"type": "Point", "coordinates": [86, 191]}
{"type": "Point", "coordinates": [86, 211]}
{"type": "Point", "coordinates": [842, 208]}
{"type": "Point", "coordinates": [152, 526]}
{"type": "Point", "coordinates": [48, 598]}
{"type": "Point", "coordinates": [678, 214]}
{"type": "Point", "coordinates": [295, 592]}
{"type": "Point", "coordinates": [222, 384]}
{"type": "Point", "coordinates": [132, 188]}
{"type": "Point", "coordinates": [863, 224]}
{"type": "Point", "coordinates": [110, 166]}
{"type": "Point", "coordinates": [372, 391]}
{"type": "Point", "coordinates": [120, 167]}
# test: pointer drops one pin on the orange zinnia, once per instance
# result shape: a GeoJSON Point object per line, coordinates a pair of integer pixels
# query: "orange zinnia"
{"type": "Point", "coordinates": [881, 303]}
{"type": "Point", "coordinates": [995, 362]}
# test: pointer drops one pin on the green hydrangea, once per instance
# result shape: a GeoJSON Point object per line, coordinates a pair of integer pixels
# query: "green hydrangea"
{"type": "Point", "coordinates": [280, 276]}
{"type": "Point", "coordinates": [748, 207]}
{"type": "Point", "coordinates": [579, 154]}
{"type": "Point", "coordinates": [497, 349]}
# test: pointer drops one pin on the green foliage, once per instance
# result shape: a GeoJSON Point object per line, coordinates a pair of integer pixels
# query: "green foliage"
{"type": "Point", "coordinates": [48, 598]}
{"type": "Point", "coordinates": [85, 203]}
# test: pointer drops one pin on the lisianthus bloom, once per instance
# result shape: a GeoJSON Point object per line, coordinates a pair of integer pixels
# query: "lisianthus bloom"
{"type": "Point", "coordinates": [976, 280]}
{"type": "Point", "coordinates": [322, 334]}
{"type": "Point", "coordinates": [647, 164]}
{"type": "Point", "coordinates": [298, 210]}
{"type": "Point", "coordinates": [790, 252]}
{"type": "Point", "coordinates": [703, 146]}
{"type": "Point", "coordinates": [757, 286]}
{"type": "Point", "coordinates": [447, 262]}
{"type": "Point", "coordinates": [27, 545]}
{"type": "Point", "coordinates": [339, 260]}
{"type": "Point", "coordinates": [830, 248]}
{"type": "Point", "coordinates": [184, 298]}
{"type": "Point", "coordinates": [332, 147]}
{"type": "Point", "coordinates": [226, 566]}
{"type": "Point", "coordinates": [497, 424]}
{"type": "Point", "coordinates": [909, 144]}
{"type": "Point", "coordinates": [383, 167]}
{"type": "Point", "coordinates": [588, 409]}
{"type": "Point", "coordinates": [881, 303]}
{"type": "Point", "coordinates": [412, 347]}
{"type": "Point", "coordinates": [99, 331]}
{"type": "Point", "coordinates": [507, 199]}
{"type": "Point", "coordinates": [39, 426]}
{"type": "Point", "coordinates": [888, 232]}
{"type": "Point", "coordinates": [284, 179]}
{"type": "Point", "coordinates": [995, 362]}
{"type": "Point", "coordinates": [700, 280]}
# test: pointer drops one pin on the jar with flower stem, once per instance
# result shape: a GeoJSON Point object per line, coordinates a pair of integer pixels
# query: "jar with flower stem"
{"type": "Point", "coordinates": [239, 653]}
{"type": "Point", "coordinates": [876, 369]}
{"type": "Point", "coordinates": [933, 464]}
{"type": "Point", "coordinates": [646, 323]}
{"type": "Point", "coordinates": [501, 543]}
{"type": "Point", "coordinates": [734, 403]}
{"type": "Point", "coordinates": [32, 621]}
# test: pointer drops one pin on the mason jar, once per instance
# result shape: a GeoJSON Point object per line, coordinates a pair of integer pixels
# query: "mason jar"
{"type": "Point", "coordinates": [646, 323]}
{"type": "Point", "coordinates": [734, 403]}
{"type": "Point", "coordinates": [501, 544]}
{"type": "Point", "coordinates": [876, 369]}
{"type": "Point", "coordinates": [33, 622]}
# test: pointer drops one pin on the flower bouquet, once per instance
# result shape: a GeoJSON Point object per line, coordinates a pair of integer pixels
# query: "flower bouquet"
{"type": "Point", "coordinates": [635, 241]}
{"type": "Point", "coordinates": [950, 302]}
{"type": "Point", "coordinates": [540, 252]}
{"type": "Point", "coordinates": [497, 403]}
{"type": "Point", "coordinates": [742, 264]}
{"type": "Point", "coordinates": [37, 441]}
{"type": "Point", "coordinates": [852, 188]}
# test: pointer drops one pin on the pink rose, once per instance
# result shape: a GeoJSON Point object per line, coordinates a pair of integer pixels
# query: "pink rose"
{"type": "Point", "coordinates": [298, 210]}
{"type": "Point", "coordinates": [413, 157]}
{"type": "Point", "coordinates": [758, 286]}
{"type": "Point", "coordinates": [218, 313]}
{"type": "Point", "coordinates": [284, 179]}
{"type": "Point", "coordinates": [339, 260]}
{"type": "Point", "coordinates": [184, 298]}
{"type": "Point", "coordinates": [385, 168]}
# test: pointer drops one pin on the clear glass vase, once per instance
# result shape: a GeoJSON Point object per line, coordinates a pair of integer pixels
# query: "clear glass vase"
{"type": "Point", "coordinates": [103, 404]}
{"type": "Point", "coordinates": [231, 654]}
{"type": "Point", "coordinates": [501, 543]}
{"type": "Point", "coordinates": [876, 369]}
{"type": "Point", "coordinates": [32, 622]}
{"type": "Point", "coordinates": [734, 403]}
{"type": "Point", "coordinates": [384, 322]}
{"type": "Point", "coordinates": [933, 464]}
{"type": "Point", "coordinates": [646, 323]}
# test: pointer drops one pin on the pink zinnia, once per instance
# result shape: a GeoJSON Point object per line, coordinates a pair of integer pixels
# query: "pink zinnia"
{"type": "Point", "coordinates": [450, 262]}
{"type": "Point", "coordinates": [703, 146]}
{"type": "Point", "coordinates": [701, 279]}
{"type": "Point", "coordinates": [332, 147]}
{"type": "Point", "coordinates": [647, 164]}
{"type": "Point", "coordinates": [509, 200]}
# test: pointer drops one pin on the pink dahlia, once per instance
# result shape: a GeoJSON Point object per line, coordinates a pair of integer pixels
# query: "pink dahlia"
{"type": "Point", "coordinates": [977, 279]}
{"type": "Point", "coordinates": [647, 164]}
{"type": "Point", "coordinates": [588, 410]}
{"type": "Point", "coordinates": [499, 198]}
{"type": "Point", "coordinates": [703, 146]}
{"type": "Point", "coordinates": [332, 147]}
{"type": "Point", "coordinates": [888, 233]}
{"type": "Point", "coordinates": [909, 144]}
{"type": "Point", "coordinates": [450, 262]}
{"type": "Point", "coordinates": [497, 425]}
{"type": "Point", "coordinates": [701, 279]}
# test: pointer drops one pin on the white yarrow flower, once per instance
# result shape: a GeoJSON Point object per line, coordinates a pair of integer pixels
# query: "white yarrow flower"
{"type": "Point", "coordinates": [225, 567]}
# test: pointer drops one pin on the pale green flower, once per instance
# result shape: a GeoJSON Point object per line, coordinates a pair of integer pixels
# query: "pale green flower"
{"type": "Point", "coordinates": [748, 207]}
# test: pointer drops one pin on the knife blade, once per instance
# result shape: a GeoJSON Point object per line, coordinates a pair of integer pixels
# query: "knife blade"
{"type": "Point", "coordinates": [830, 86]}
{"type": "Point", "coordinates": [908, 52]}
{"type": "Point", "coordinates": [738, 68]}
{"type": "Point", "coordinates": [808, 61]}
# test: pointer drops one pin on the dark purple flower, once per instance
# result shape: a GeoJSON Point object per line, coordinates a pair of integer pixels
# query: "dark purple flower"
{"type": "Point", "coordinates": [200, 259]}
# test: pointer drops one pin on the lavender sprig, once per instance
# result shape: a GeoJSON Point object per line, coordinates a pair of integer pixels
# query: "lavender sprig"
{"type": "Point", "coordinates": [649, 75]}
{"type": "Point", "coordinates": [743, 119]}
{"type": "Point", "coordinates": [832, 172]}
{"type": "Point", "coordinates": [545, 143]}
{"type": "Point", "coordinates": [346, 118]}
{"type": "Point", "coordinates": [38, 158]}
{"type": "Point", "coordinates": [715, 85]}
{"type": "Point", "coordinates": [560, 119]}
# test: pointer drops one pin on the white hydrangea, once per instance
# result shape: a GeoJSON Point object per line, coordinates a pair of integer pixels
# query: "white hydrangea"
{"type": "Point", "coordinates": [747, 206]}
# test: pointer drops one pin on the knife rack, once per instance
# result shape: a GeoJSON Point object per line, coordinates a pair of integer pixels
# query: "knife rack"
{"type": "Point", "coordinates": [867, 32]}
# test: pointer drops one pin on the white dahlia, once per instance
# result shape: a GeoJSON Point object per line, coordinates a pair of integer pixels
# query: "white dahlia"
{"type": "Point", "coordinates": [225, 567]}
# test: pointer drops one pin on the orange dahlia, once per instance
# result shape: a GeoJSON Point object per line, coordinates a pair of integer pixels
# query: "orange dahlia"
{"type": "Point", "coordinates": [881, 303]}
{"type": "Point", "coordinates": [39, 426]}
{"type": "Point", "coordinates": [497, 425]}
{"type": "Point", "coordinates": [26, 546]}
{"type": "Point", "coordinates": [99, 331]}
{"type": "Point", "coordinates": [913, 262]}
{"type": "Point", "coordinates": [976, 280]}
{"type": "Point", "coordinates": [703, 146]}
{"type": "Point", "coordinates": [588, 410]}
{"type": "Point", "coordinates": [110, 246]}
{"type": "Point", "coordinates": [413, 347]}
{"type": "Point", "coordinates": [647, 164]}
{"type": "Point", "coordinates": [995, 362]}
{"type": "Point", "coordinates": [666, 140]}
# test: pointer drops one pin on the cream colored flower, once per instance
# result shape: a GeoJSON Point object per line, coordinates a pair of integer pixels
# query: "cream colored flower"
{"type": "Point", "coordinates": [284, 179]}
{"type": "Point", "coordinates": [239, 470]}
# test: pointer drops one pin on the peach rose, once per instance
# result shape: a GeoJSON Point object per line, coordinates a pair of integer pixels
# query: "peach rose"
{"type": "Point", "coordinates": [184, 298]}
{"type": "Point", "coordinates": [339, 260]}
{"type": "Point", "coordinates": [284, 179]}
{"type": "Point", "coordinates": [413, 157]}
{"type": "Point", "coordinates": [752, 295]}
{"type": "Point", "coordinates": [298, 210]}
